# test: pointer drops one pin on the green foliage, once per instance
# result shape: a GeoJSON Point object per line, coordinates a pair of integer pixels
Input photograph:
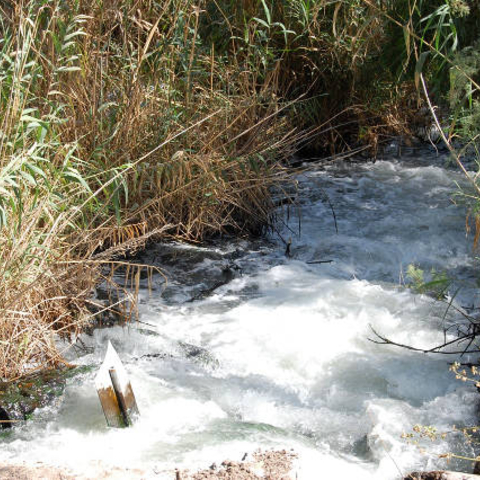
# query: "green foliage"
{"type": "Point", "coordinates": [464, 98]}
{"type": "Point", "coordinates": [435, 283]}
{"type": "Point", "coordinates": [432, 30]}
{"type": "Point", "coordinates": [34, 163]}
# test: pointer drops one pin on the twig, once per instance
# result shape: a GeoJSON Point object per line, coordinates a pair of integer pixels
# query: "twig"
{"type": "Point", "coordinates": [381, 340]}
{"type": "Point", "coordinates": [445, 139]}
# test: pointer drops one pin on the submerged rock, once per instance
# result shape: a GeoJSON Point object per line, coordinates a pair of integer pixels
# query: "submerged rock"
{"type": "Point", "coordinates": [18, 400]}
{"type": "Point", "coordinates": [198, 354]}
{"type": "Point", "coordinates": [5, 420]}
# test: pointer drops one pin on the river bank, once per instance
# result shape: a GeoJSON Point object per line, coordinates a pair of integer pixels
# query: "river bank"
{"type": "Point", "coordinates": [273, 465]}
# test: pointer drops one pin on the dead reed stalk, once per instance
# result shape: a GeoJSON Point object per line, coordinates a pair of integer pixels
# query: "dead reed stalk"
{"type": "Point", "coordinates": [112, 136]}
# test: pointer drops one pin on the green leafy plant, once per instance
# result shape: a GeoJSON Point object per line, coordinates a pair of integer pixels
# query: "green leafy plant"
{"type": "Point", "coordinates": [435, 283]}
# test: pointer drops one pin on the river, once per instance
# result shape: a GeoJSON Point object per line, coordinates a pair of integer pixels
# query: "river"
{"type": "Point", "coordinates": [278, 355]}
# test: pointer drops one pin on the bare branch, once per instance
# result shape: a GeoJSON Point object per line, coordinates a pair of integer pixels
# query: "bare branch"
{"type": "Point", "coordinates": [381, 340]}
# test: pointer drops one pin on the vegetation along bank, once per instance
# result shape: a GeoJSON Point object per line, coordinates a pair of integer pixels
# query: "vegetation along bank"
{"type": "Point", "coordinates": [124, 122]}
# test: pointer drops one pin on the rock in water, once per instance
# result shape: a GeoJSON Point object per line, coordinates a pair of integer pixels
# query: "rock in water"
{"type": "Point", "coordinates": [441, 475]}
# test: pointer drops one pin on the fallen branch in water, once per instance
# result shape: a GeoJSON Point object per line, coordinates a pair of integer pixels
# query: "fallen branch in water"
{"type": "Point", "coordinates": [381, 340]}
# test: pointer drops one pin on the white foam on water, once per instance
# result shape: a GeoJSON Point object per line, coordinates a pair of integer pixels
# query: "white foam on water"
{"type": "Point", "coordinates": [280, 357]}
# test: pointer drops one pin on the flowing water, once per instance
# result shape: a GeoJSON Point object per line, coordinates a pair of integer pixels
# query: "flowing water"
{"type": "Point", "coordinates": [245, 348]}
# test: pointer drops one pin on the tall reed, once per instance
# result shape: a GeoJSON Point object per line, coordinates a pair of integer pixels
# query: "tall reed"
{"type": "Point", "coordinates": [117, 127]}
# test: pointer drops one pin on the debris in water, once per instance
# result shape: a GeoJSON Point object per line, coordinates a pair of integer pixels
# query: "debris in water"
{"type": "Point", "coordinates": [115, 391]}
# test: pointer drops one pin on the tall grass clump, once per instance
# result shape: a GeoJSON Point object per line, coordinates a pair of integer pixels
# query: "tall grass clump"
{"type": "Point", "coordinates": [40, 292]}
{"type": "Point", "coordinates": [324, 54]}
{"type": "Point", "coordinates": [118, 125]}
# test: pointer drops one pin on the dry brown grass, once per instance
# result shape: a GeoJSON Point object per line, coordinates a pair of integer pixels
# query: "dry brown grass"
{"type": "Point", "coordinates": [42, 295]}
{"type": "Point", "coordinates": [135, 133]}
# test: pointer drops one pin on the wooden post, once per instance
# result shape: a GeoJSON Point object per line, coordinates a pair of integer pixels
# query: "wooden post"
{"type": "Point", "coordinates": [120, 398]}
{"type": "Point", "coordinates": [115, 391]}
